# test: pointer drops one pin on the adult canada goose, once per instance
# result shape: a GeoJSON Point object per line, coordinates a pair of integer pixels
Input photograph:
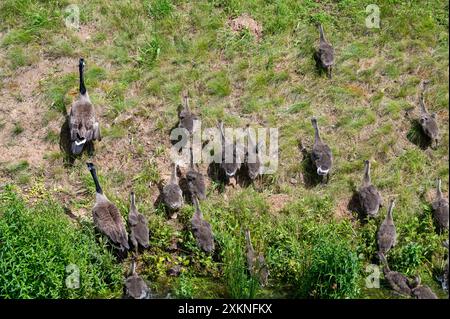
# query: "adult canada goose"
{"type": "Point", "coordinates": [185, 116]}
{"type": "Point", "coordinates": [253, 157]}
{"type": "Point", "coordinates": [321, 154]}
{"type": "Point", "coordinates": [172, 194]}
{"type": "Point", "coordinates": [397, 281]}
{"type": "Point", "coordinates": [420, 291]}
{"type": "Point", "coordinates": [106, 215]}
{"type": "Point", "coordinates": [427, 120]}
{"type": "Point", "coordinates": [202, 229]}
{"type": "Point", "coordinates": [325, 53]}
{"type": "Point", "coordinates": [195, 180]}
{"type": "Point", "coordinates": [136, 287]}
{"type": "Point", "coordinates": [83, 124]}
{"type": "Point", "coordinates": [387, 234]}
{"type": "Point", "coordinates": [256, 264]}
{"type": "Point", "coordinates": [138, 226]}
{"type": "Point", "coordinates": [369, 197]}
{"type": "Point", "coordinates": [229, 165]}
{"type": "Point", "coordinates": [440, 209]}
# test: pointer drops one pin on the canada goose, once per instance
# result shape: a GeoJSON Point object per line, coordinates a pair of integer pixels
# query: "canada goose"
{"type": "Point", "coordinates": [256, 264]}
{"type": "Point", "coordinates": [185, 116]}
{"type": "Point", "coordinates": [321, 154]}
{"type": "Point", "coordinates": [83, 124]}
{"type": "Point", "coordinates": [325, 54]}
{"type": "Point", "coordinates": [202, 229]}
{"type": "Point", "coordinates": [136, 287]}
{"type": "Point", "coordinates": [387, 234]}
{"type": "Point", "coordinates": [397, 281]}
{"type": "Point", "coordinates": [230, 167]}
{"type": "Point", "coordinates": [427, 120]}
{"type": "Point", "coordinates": [138, 226]}
{"type": "Point", "coordinates": [195, 180]}
{"type": "Point", "coordinates": [254, 162]}
{"type": "Point", "coordinates": [440, 209]}
{"type": "Point", "coordinates": [369, 197]}
{"type": "Point", "coordinates": [172, 194]}
{"type": "Point", "coordinates": [106, 215]}
{"type": "Point", "coordinates": [421, 292]}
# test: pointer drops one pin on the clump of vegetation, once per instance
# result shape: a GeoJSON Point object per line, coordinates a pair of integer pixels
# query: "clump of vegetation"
{"type": "Point", "coordinates": [240, 284]}
{"type": "Point", "coordinates": [333, 270]}
{"type": "Point", "coordinates": [41, 251]}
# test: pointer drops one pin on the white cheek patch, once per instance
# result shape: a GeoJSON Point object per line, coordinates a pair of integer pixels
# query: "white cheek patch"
{"type": "Point", "coordinates": [320, 171]}
{"type": "Point", "coordinates": [78, 143]}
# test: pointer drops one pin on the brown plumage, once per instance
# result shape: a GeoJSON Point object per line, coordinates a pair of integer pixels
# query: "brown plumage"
{"type": "Point", "coordinates": [321, 154]}
{"type": "Point", "coordinates": [387, 234]}
{"type": "Point", "coordinates": [172, 194]}
{"type": "Point", "coordinates": [230, 164]}
{"type": "Point", "coordinates": [195, 180]}
{"type": "Point", "coordinates": [369, 197]}
{"type": "Point", "coordinates": [107, 217]}
{"type": "Point", "coordinates": [138, 226]}
{"type": "Point", "coordinates": [397, 281]}
{"type": "Point", "coordinates": [427, 120]}
{"type": "Point", "coordinates": [201, 229]}
{"type": "Point", "coordinates": [440, 209]}
{"type": "Point", "coordinates": [186, 117]}
{"type": "Point", "coordinates": [325, 53]}
{"type": "Point", "coordinates": [421, 291]}
{"type": "Point", "coordinates": [256, 263]}
{"type": "Point", "coordinates": [135, 286]}
{"type": "Point", "coordinates": [253, 157]}
{"type": "Point", "coordinates": [83, 124]}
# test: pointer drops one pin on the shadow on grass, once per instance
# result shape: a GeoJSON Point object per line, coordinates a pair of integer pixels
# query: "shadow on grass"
{"type": "Point", "coordinates": [416, 135]}
{"type": "Point", "coordinates": [354, 205]}
{"type": "Point", "coordinates": [309, 171]}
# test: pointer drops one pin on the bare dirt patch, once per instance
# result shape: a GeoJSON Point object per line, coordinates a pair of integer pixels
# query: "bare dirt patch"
{"type": "Point", "coordinates": [246, 22]}
{"type": "Point", "coordinates": [277, 202]}
{"type": "Point", "coordinates": [342, 211]}
{"type": "Point", "coordinates": [22, 106]}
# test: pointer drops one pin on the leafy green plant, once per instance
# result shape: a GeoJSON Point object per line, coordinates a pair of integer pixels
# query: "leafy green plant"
{"type": "Point", "coordinates": [239, 283]}
{"type": "Point", "coordinates": [39, 243]}
{"type": "Point", "coordinates": [333, 270]}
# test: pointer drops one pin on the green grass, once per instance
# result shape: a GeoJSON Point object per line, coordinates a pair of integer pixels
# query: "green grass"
{"type": "Point", "coordinates": [141, 55]}
{"type": "Point", "coordinates": [39, 242]}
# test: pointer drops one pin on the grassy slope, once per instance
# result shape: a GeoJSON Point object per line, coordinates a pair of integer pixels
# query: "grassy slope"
{"type": "Point", "coordinates": [140, 55]}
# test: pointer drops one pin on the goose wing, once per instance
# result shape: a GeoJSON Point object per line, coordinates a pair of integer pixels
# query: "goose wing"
{"type": "Point", "coordinates": [109, 221]}
{"type": "Point", "coordinates": [136, 287]}
{"type": "Point", "coordinates": [203, 234]}
{"type": "Point", "coordinates": [321, 156]}
{"type": "Point", "coordinates": [140, 231]}
{"type": "Point", "coordinates": [196, 184]}
{"type": "Point", "coordinates": [398, 282]}
{"type": "Point", "coordinates": [386, 237]}
{"type": "Point", "coordinates": [173, 196]}
{"type": "Point", "coordinates": [326, 53]}
{"type": "Point", "coordinates": [187, 121]}
{"type": "Point", "coordinates": [370, 199]}
{"type": "Point", "coordinates": [82, 122]}
{"type": "Point", "coordinates": [429, 126]}
{"type": "Point", "coordinates": [424, 292]}
{"type": "Point", "coordinates": [440, 213]}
